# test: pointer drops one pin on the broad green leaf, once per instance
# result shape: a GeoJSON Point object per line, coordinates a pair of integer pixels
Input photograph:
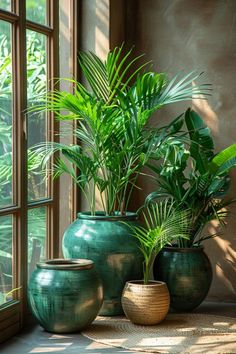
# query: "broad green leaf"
{"type": "Point", "coordinates": [224, 160]}
{"type": "Point", "coordinates": [201, 147]}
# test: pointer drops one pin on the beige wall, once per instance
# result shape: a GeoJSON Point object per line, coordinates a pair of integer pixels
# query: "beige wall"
{"type": "Point", "coordinates": [196, 35]}
{"type": "Point", "coordinates": [94, 26]}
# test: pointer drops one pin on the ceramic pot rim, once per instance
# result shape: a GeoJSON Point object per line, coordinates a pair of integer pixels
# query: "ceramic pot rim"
{"type": "Point", "coordinates": [100, 215]}
{"type": "Point", "coordinates": [139, 283]}
{"type": "Point", "coordinates": [184, 249]}
{"type": "Point", "coordinates": [66, 264]}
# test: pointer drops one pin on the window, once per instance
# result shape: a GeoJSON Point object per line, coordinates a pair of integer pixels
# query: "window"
{"type": "Point", "coordinates": [28, 199]}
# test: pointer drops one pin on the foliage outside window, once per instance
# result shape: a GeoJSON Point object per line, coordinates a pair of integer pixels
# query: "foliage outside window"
{"type": "Point", "coordinates": [36, 80]}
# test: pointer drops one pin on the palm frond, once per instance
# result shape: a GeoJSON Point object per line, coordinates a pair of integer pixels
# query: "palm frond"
{"type": "Point", "coordinates": [112, 119]}
{"type": "Point", "coordinates": [164, 223]}
{"type": "Point", "coordinates": [106, 79]}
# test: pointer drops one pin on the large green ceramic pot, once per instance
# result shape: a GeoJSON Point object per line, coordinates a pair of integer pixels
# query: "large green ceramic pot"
{"type": "Point", "coordinates": [187, 273]}
{"type": "Point", "coordinates": [65, 295]}
{"type": "Point", "coordinates": [107, 241]}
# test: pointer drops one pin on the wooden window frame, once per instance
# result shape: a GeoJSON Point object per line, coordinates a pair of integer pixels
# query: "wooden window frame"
{"type": "Point", "coordinates": [75, 10]}
{"type": "Point", "coordinates": [12, 313]}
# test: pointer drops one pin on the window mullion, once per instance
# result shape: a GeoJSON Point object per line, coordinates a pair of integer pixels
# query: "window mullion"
{"type": "Point", "coordinates": [75, 8]}
{"type": "Point", "coordinates": [8, 16]}
{"type": "Point", "coordinates": [53, 126]}
{"type": "Point", "coordinates": [19, 55]}
{"type": "Point", "coordinates": [38, 27]}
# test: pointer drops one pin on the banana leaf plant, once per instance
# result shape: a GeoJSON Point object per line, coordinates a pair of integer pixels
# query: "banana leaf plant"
{"type": "Point", "coordinates": [114, 138]}
{"type": "Point", "coordinates": [192, 174]}
{"type": "Point", "coordinates": [164, 222]}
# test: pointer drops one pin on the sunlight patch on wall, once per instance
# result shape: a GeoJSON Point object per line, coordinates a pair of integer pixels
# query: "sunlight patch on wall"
{"type": "Point", "coordinates": [203, 108]}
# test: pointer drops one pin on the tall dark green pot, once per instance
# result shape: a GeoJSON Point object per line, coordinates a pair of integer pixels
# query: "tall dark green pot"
{"type": "Point", "coordinates": [65, 295]}
{"type": "Point", "coordinates": [187, 273]}
{"type": "Point", "coordinates": [107, 241]}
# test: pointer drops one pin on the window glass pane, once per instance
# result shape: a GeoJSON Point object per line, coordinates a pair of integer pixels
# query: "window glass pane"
{"type": "Point", "coordinates": [37, 122]}
{"type": "Point", "coordinates": [36, 237]}
{"type": "Point", "coordinates": [36, 11]}
{"type": "Point", "coordinates": [5, 259]}
{"type": "Point", "coordinates": [5, 115]}
{"type": "Point", "coordinates": [5, 5]}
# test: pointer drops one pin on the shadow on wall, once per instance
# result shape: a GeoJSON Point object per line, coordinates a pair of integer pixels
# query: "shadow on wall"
{"type": "Point", "coordinates": [102, 28]}
{"type": "Point", "coordinates": [221, 250]}
{"type": "Point", "coordinates": [94, 26]}
{"type": "Point", "coordinates": [222, 253]}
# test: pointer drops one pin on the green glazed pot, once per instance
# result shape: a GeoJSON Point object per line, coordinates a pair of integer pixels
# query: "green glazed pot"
{"type": "Point", "coordinates": [187, 273]}
{"type": "Point", "coordinates": [65, 295]}
{"type": "Point", "coordinates": [107, 241]}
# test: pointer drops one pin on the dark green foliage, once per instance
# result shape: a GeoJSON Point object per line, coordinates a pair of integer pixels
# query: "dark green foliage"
{"type": "Point", "coordinates": [194, 176]}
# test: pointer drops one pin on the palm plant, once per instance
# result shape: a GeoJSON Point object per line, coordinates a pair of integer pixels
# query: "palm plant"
{"type": "Point", "coordinates": [164, 222]}
{"type": "Point", "coordinates": [115, 141]}
{"type": "Point", "coordinates": [195, 177]}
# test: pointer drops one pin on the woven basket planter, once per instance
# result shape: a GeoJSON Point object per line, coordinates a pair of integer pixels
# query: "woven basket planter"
{"type": "Point", "coordinates": [145, 304]}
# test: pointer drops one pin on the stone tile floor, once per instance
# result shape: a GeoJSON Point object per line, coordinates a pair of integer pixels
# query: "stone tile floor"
{"type": "Point", "coordinates": [35, 340]}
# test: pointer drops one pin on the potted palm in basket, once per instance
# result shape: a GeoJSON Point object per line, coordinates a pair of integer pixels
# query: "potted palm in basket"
{"type": "Point", "coordinates": [197, 179]}
{"type": "Point", "coordinates": [115, 142]}
{"type": "Point", "coordinates": [147, 301]}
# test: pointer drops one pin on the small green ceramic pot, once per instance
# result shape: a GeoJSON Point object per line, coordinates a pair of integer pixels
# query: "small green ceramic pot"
{"type": "Point", "coordinates": [187, 273]}
{"type": "Point", "coordinates": [65, 295]}
{"type": "Point", "coordinates": [107, 241]}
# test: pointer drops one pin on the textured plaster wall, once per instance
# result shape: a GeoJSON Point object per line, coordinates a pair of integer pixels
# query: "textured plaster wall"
{"type": "Point", "coordinates": [94, 26]}
{"type": "Point", "coordinates": [196, 35]}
